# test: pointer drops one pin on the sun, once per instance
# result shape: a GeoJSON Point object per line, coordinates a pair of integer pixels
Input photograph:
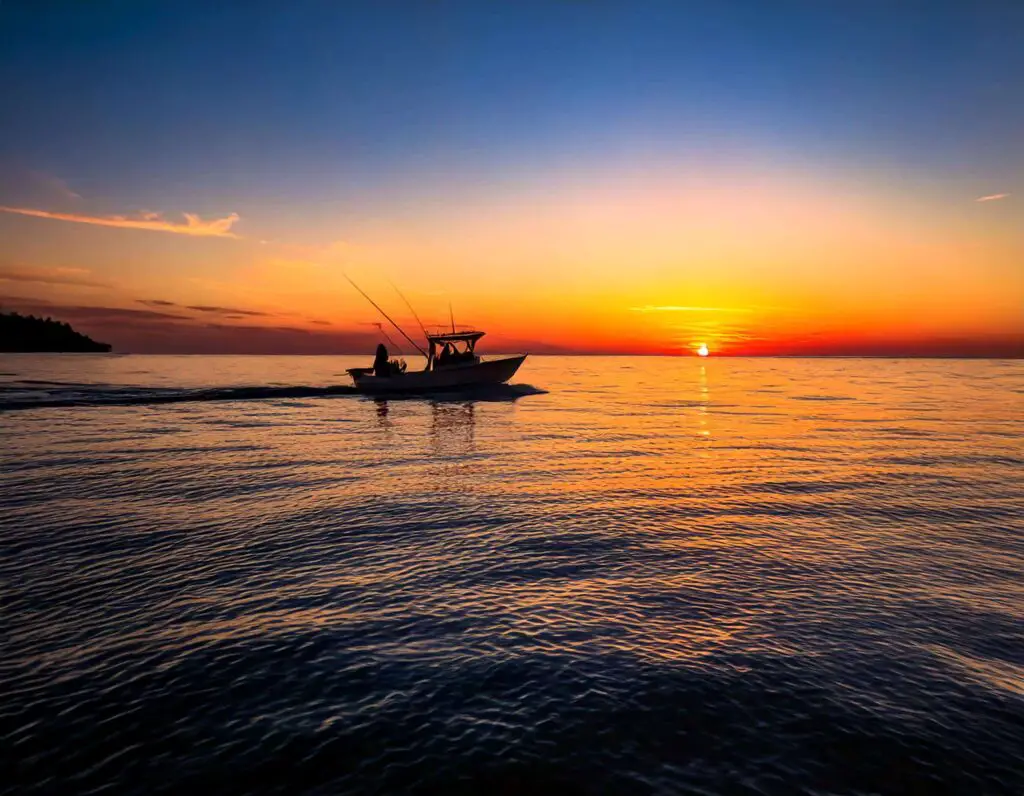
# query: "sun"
{"type": "Point", "coordinates": [702, 350]}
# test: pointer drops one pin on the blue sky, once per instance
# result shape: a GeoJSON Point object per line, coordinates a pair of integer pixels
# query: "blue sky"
{"type": "Point", "coordinates": [274, 98]}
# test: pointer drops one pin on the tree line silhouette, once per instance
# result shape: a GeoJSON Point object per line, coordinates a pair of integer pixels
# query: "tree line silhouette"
{"type": "Point", "coordinates": [27, 333]}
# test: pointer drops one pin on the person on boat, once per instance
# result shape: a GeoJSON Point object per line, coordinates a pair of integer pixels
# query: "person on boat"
{"type": "Point", "coordinates": [445, 357]}
{"type": "Point", "coordinates": [381, 366]}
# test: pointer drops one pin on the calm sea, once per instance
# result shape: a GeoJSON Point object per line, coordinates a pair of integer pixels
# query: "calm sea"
{"type": "Point", "coordinates": [617, 576]}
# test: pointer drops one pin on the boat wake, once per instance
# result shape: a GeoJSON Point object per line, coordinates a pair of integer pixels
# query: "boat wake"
{"type": "Point", "coordinates": [101, 395]}
{"type": "Point", "coordinates": [478, 392]}
{"type": "Point", "coordinates": [37, 395]}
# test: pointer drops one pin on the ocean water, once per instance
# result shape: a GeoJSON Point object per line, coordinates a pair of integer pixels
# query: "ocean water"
{"type": "Point", "coordinates": [616, 576]}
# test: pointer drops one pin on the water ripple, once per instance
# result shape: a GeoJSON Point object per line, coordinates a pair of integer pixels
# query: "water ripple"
{"type": "Point", "coordinates": [767, 577]}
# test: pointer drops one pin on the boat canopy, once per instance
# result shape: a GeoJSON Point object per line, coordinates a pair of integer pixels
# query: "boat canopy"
{"type": "Point", "coordinates": [457, 347]}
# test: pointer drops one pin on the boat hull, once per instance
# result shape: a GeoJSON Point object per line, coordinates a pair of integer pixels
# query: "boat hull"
{"type": "Point", "coordinates": [492, 371]}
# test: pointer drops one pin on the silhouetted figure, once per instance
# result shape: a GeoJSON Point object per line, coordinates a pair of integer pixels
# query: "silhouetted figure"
{"type": "Point", "coordinates": [381, 366]}
{"type": "Point", "coordinates": [445, 357]}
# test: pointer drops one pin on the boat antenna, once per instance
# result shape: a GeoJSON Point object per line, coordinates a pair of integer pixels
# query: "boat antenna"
{"type": "Point", "coordinates": [407, 304]}
{"type": "Point", "coordinates": [388, 317]}
{"type": "Point", "coordinates": [452, 316]}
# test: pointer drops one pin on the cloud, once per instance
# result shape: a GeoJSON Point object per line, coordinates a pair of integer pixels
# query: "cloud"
{"type": "Point", "coordinates": [119, 313]}
{"type": "Point", "coordinates": [50, 276]}
{"type": "Point", "coordinates": [92, 314]}
{"type": "Point", "coordinates": [55, 186]}
{"type": "Point", "coordinates": [992, 197]}
{"type": "Point", "coordinates": [157, 303]}
{"type": "Point", "coordinates": [677, 308]}
{"type": "Point", "coordinates": [259, 329]}
{"type": "Point", "coordinates": [194, 225]}
{"type": "Point", "coordinates": [322, 323]}
{"type": "Point", "coordinates": [228, 311]}
{"type": "Point", "coordinates": [34, 187]}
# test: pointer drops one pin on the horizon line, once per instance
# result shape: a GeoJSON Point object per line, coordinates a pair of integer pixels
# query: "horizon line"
{"type": "Point", "coordinates": [1009, 357]}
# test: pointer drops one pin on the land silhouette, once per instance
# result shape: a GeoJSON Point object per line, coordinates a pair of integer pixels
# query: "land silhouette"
{"type": "Point", "coordinates": [29, 334]}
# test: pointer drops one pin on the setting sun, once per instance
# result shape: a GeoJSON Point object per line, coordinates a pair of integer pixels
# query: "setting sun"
{"type": "Point", "coordinates": [702, 351]}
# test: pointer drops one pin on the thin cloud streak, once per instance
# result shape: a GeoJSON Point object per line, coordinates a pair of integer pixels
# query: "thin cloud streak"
{"type": "Point", "coordinates": [153, 222]}
{"type": "Point", "coordinates": [76, 313]}
{"type": "Point", "coordinates": [157, 303]}
{"type": "Point", "coordinates": [50, 276]}
{"type": "Point", "coordinates": [992, 197]}
{"type": "Point", "coordinates": [56, 185]}
{"type": "Point", "coordinates": [227, 311]}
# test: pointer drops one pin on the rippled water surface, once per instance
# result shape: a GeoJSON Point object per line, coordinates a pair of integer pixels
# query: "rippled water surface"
{"type": "Point", "coordinates": [617, 576]}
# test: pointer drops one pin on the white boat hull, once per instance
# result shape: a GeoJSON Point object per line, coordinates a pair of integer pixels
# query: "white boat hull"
{"type": "Point", "coordinates": [491, 371]}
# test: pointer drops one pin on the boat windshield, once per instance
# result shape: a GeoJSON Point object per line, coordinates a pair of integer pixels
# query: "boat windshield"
{"type": "Point", "coordinates": [455, 348]}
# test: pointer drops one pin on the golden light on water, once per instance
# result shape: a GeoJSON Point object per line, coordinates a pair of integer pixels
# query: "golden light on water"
{"type": "Point", "coordinates": [702, 350]}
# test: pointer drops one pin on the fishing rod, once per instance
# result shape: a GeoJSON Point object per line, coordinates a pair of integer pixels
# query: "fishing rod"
{"type": "Point", "coordinates": [377, 307]}
{"type": "Point", "coordinates": [407, 304]}
{"type": "Point", "coordinates": [392, 343]}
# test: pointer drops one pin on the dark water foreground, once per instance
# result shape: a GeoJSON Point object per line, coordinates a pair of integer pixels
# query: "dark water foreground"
{"type": "Point", "coordinates": [659, 576]}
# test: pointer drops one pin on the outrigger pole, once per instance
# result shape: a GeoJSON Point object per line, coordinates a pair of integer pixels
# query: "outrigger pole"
{"type": "Point", "coordinates": [377, 307]}
{"type": "Point", "coordinates": [407, 304]}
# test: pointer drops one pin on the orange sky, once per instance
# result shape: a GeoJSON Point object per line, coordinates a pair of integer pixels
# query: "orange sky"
{"type": "Point", "coordinates": [754, 261]}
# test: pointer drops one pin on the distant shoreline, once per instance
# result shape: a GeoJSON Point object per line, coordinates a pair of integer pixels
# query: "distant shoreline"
{"type": "Point", "coordinates": [27, 334]}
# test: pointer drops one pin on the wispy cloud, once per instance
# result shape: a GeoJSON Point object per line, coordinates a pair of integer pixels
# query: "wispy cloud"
{"type": "Point", "coordinates": [992, 197]}
{"type": "Point", "coordinates": [35, 187]}
{"type": "Point", "coordinates": [227, 311]}
{"type": "Point", "coordinates": [56, 186]}
{"type": "Point", "coordinates": [193, 225]}
{"type": "Point", "coordinates": [677, 308]}
{"type": "Point", "coordinates": [50, 276]}
{"type": "Point", "coordinates": [91, 314]}
{"type": "Point", "coordinates": [109, 313]}
{"type": "Point", "coordinates": [157, 303]}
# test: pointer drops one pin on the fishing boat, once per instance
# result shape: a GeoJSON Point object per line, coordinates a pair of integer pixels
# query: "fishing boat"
{"type": "Point", "coordinates": [452, 363]}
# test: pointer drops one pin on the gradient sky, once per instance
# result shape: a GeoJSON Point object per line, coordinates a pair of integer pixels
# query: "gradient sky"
{"type": "Point", "coordinates": [572, 175]}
